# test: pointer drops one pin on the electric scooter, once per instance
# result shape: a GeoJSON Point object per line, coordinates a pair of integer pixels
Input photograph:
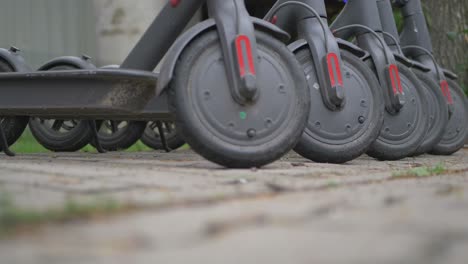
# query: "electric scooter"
{"type": "Point", "coordinates": [347, 110]}
{"type": "Point", "coordinates": [406, 118]}
{"type": "Point", "coordinates": [437, 108]}
{"type": "Point", "coordinates": [238, 94]}
{"type": "Point", "coordinates": [416, 44]}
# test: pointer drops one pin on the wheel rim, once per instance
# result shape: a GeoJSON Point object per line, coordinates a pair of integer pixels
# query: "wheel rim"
{"type": "Point", "coordinates": [169, 129]}
{"type": "Point", "coordinates": [347, 124]}
{"type": "Point", "coordinates": [112, 128]}
{"type": "Point", "coordinates": [432, 111]}
{"type": "Point", "coordinates": [55, 127]}
{"type": "Point", "coordinates": [456, 126]}
{"type": "Point", "coordinates": [399, 128]}
{"type": "Point", "coordinates": [437, 112]}
{"type": "Point", "coordinates": [248, 125]}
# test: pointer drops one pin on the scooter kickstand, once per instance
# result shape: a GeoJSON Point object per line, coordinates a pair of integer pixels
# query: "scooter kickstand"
{"type": "Point", "coordinates": [163, 136]}
{"type": "Point", "coordinates": [94, 130]}
{"type": "Point", "coordinates": [4, 143]}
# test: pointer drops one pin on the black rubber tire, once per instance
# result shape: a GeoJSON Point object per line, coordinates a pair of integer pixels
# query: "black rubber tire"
{"type": "Point", "coordinates": [123, 139]}
{"type": "Point", "coordinates": [384, 149]}
{"type": "Point", "coordinates": [74, 140]}
{"type": "Point", "coordinates": [438, 113]}
{"type": "Point", "coordinates": [218, 147]}
{"type": "Point", "coordinates": [450, 143]}
{"type": "Point", "coordinates": [152, 140]}
{"type": "Point", "coordinates": [321, 148]}
{"type": "Point", "coordinates": [13, 127]}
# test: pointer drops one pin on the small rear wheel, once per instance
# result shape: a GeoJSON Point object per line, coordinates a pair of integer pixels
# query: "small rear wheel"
{"type": "Point", "coordinates": [457, 128]}
{"type": "Point", "coordinates": [152, 138]}
{"type": "Point", "coordinates": [119, 135]}
{"type": "Point", "coordinates": [61, 135]}
{"type": "Point", "coordinates": [345, 134]}
{"type": "Point", "coordinates": [224, 131]}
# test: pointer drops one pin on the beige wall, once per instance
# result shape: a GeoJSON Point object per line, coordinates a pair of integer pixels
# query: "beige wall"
{"type": "Point", "coordinates": [120, 24]}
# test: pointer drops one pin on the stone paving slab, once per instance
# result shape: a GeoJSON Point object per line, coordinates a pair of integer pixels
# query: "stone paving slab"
{"type": "Point", "coordinates": [293, 211]}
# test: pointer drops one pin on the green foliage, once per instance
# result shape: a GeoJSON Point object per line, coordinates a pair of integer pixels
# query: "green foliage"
{"type": "Point", "coordinates": [452, 35]}
{"type": "Point", "coordinates": [398, 19]}
{"type": "Point", "coordinates": [27, 144]}
{"type": "Point", "coordinates": [13, 218]}
{"type": "Point", "coordinates": [421, 172]}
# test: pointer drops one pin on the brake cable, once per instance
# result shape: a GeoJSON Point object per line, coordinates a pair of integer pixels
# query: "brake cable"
{"type": "Point", "coordinates": [276, 9]}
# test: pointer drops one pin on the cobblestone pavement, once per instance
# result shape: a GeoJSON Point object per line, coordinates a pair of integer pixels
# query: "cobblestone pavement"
{"type": "Point", "coordinates": [188, 210]}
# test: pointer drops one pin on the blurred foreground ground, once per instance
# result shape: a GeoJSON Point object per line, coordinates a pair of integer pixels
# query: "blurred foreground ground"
{"type": "Point", "coordinates": [182, 209]}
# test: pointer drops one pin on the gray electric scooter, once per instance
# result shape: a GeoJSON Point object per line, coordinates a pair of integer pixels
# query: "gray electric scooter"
{"type": "Point", "coordinates": [406, 118]}
{"type": "Point", "coordinates": [347, 107]}
{"type": "Point", "coordinates": [416, 44]}
{"type": "Point", "coordinates": [237, 93]}
{"type": "Point", "coordinates": [437, 107]}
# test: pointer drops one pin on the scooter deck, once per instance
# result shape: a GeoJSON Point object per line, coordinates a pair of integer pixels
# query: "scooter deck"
{"type": "Point", "coordinates": [156, 109]}
{"type": "Point", "coordinates": [81, 94]}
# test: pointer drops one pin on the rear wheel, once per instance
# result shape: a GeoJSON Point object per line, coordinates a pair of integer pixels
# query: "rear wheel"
{"type": "Point", "coordinates": [437, 110]}
{"type": "Point", "coordinates": [119, 135]}
{"type": "Point", "coordinates": [228, 133]}
{"type": "Point", "coordinates": [345, 134]}
{"type": "Point", "coordinates": [152, 138]}
{"type": "Point", "coordinates": [61, 135]}
{"type": "Point", "coordinates": [457, 128]}
{"type": "Point", "coordinates": [13, 127]}
{"type": "Point", "coordinates": [403, 132]}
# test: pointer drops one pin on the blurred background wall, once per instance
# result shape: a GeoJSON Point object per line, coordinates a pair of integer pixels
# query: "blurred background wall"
{"type": "Point", "coordinates": [104, 29]}
{"type": "Point", "coordinates": [44, 29]}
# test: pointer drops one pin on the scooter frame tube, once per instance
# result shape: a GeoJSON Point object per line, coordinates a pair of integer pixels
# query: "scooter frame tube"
{"type": "Point", "coordinates": [415, 34]}
{"type": "Point", "coordinates": [322, 44]}
{"type": "Point", "coordinates": [367, 28]}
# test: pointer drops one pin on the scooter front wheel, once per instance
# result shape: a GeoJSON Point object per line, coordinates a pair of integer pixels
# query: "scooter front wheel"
{"type": "Point", "coordinates": [344, 134]}
{"type": "Point", "coordinates": [404, 131]}
{"type": "Point", "coordinates": [457, 128]}
{"type": "Point", "coordinates": [224, 131]}
{"type": "Point", "coordinates": [437, 110]}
